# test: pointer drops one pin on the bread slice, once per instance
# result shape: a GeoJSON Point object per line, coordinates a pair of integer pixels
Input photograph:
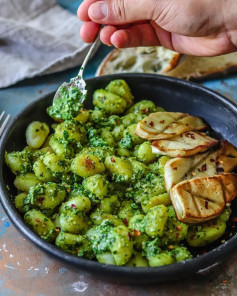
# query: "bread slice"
{"type": "Point", "coordinates": [177, 169]}
{"type": "Point", "coordinates": [152, 59]}
{"type": "Point", "coordinates": [164, 125]}
{"type": "Point", "coordinates": [190, 67]}
{"type": "Point", "coordinates": [208, 164]}
{"type": "Point", "coordinates": [199, 200]}
{"type": "Point", "coordinates": [159, 60]}
{"type": "Point", "coordinates": [184, 145]}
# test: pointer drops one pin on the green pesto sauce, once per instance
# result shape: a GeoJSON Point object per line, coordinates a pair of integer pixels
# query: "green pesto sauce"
{"type": "Point", "coordinates": [151, 248]}
{"type": "Point", "coordinates": [101, 237]}
{"type": "Point", "coordinates": [68, 105]}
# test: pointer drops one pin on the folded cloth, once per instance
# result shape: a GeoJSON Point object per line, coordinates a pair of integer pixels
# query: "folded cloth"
{"type": "Point", "coordinates": [37, 37]}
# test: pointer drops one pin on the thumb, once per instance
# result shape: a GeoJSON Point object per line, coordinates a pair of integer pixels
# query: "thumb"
{"type": "Point", "coordinates": [190, 18]}
{"type": "Point", "coordinates": [119, 12]}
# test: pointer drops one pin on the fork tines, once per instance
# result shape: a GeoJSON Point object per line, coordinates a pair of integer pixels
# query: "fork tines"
{"type": "Point", "coordinates": [3, 125]}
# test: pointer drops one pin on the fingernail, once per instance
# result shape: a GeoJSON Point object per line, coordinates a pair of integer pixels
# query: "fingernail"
{"type": "Point", "coordinates": [99, 10]}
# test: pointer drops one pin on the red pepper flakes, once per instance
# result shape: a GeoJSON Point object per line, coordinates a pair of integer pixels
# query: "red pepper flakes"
{"type": "Point", "coordinates": [189, 135]}
{"type": "Point", "coordinates": [57, 229]}
{"type": "Point", "coordinates": [179, 155]}
{"type": "Point", "coordinates": [73, 206]}
{"type": "Point", "coordinates": [40, 200]}
{"type": "Point", "coordinates": [151, 123]}
{"type": "Point", "coordinates": [111, 159]}
{"type": "Point", "coordinates": [176, 235]}
{"type": "Point", "coordinates": [89, 163]}
{"type": "Point", "coordinates": [129, 236]}
{"type": "Point", "coordinates": [146, 110]}
{"type": "Point", "coordinates": [162, 121]}
{"type": "Point", "coordinates": [175, 168]}
{"type": "Point", "coordinates": [206, 204]}
{"type": "Point", "coordinates": [179, 227]}
{"type": "Point", "coordinates": [37, 220]}
{"type": "Point", "coordinates": [136, 232]}
{"type": "Point", "coordinates": [224, 282]}
{"type": "Point", "coordinates": [125, 221]}
{"type": "Point", "coordinates": [234, 219]}
{"type": "Point", "coordinates": [204, 168]}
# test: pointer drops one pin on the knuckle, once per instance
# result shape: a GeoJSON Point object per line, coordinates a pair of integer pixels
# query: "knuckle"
{"type": "Point", "coordinates": [119, 9]}
{"type": "Point", "coordinates": [165, 14]}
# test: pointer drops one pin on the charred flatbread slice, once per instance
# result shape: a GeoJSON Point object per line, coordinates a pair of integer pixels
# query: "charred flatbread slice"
{"type": "Point", "coordinates": [159, 60]}
{"type": "Point", "coordinates": [227, 158]}
{"type": "Point", "coordinates": [199, 200]}
{"type": "Point", "coordinates": [150, 59]}
{"type": "Point", "coordinates": [164, 125]}
{"type": "Point", "coordinates": [208, 164]}
{"type": "Point", "coordinates": [223, 160]}
{"type": "Point", "coordinates": [177, 169]}
{"type": "Point", "coordinates": [191, 67]}
{"type": "Point", "coordinates": [184, 145]}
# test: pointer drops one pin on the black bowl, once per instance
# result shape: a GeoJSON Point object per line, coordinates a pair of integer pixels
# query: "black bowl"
{"type": "Point", "coordinates": [173, 95]}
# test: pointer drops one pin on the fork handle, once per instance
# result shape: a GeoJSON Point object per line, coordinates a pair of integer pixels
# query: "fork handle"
{"type": "Point", "coordinates": [91, 50]}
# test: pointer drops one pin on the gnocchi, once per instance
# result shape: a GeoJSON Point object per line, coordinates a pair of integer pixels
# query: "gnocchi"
{"type": "Point", "coordinates": [94, 188]}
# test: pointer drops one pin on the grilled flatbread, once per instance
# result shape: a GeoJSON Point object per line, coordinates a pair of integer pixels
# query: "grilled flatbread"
{"type": "Point", "coordinates": [177, 169]}
{"type": "Point", "coordinates": [196, 68]}
{"type": "Point", "coordinates": [227, 158]}
{"type": "Point", "coordinates": [151, 59]}
{"type": "Point", "coordinates": [208, 164]}
{"type": "Point", "coordinates": [164, 125]}
{"type": "Point", "coordinates": [184, 145]}
{"type": "Point", "coordinates": [159, 60]}
{"type": "Point", "coordinates": [202, 199]}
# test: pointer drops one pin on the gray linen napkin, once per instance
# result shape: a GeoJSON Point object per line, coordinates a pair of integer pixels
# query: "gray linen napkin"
{"type": "Point", "coordinates": [37, 37]}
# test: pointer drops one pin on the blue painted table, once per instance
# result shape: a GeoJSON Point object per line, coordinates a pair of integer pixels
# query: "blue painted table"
{"type": "Point", "coordinates": [25, 270]}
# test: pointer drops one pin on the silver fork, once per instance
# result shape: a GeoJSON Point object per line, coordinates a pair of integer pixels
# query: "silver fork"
{"type": "Point", "coordinates": [3, 125]}
{"type": "Point", "coordinates": [78, 81]}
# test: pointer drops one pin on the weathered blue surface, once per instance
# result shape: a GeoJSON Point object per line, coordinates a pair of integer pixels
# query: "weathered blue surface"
{"type": "Point", "coordinates": [24, 270]}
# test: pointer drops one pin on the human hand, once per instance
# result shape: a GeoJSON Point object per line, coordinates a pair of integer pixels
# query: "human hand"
{"type": "Point", "coordinates": [202, 28]}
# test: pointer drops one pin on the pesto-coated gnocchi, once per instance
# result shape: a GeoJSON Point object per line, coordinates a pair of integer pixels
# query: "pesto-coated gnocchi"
{"type": "Point", "coordinates": [86, 165]}
{"type": "Point", "coordinates": [94, 188]}
{"type": "Point", "coordinates": [36, 134]}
